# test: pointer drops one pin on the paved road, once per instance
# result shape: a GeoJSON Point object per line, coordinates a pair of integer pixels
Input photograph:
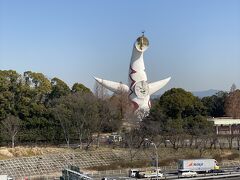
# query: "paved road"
{"type": "Point", "coordinates": [174, 177]}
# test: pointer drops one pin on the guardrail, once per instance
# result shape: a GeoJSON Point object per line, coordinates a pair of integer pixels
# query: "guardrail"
{"type": "Point", "coordinates": [224, 176]}
{"type": "Point", "coordinates": [120, 172]}
{"type": "Point", "coordinates": [125, 172]}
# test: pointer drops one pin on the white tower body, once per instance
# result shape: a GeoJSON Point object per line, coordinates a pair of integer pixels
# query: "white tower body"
{"type": "Point", "coordinates": [138, 88]}
{"type": "Point", "coordinates": [137, 75]}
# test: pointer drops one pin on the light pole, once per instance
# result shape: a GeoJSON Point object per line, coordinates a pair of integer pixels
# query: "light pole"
{"type": "Point", "coordinates": [156, 153]}
{"type": "Point", "coordinates": [152, 143]}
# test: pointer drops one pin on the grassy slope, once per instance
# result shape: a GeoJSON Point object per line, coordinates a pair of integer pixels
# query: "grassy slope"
{"type": "Point", "coordinates": [167, 156]}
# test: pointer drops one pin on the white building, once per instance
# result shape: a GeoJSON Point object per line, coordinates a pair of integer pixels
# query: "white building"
{"type": "Point", "coordinates": [226, 125]}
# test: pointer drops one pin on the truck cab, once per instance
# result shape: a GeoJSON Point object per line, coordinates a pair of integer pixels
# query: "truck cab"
{"type": "Point", "coordinates": [133, 172]}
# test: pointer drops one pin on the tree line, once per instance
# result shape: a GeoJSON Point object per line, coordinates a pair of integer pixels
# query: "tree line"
{"type": "Point", "coordinates": [179, 119]}
{"type": "Point", "coordinates": [35, 109]}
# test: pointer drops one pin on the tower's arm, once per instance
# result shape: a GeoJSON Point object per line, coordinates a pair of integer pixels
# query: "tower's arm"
{"type": "Point", "coordinates": [115, 87]}
{"type": "Point", "coordinates": [155, 86]}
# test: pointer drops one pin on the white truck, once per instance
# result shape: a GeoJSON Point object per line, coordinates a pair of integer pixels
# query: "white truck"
{"type": "Point", "coordinates": [197, 165]}
{"type": "Point", "coordinates": [5, 177]}
{"type": "Point", "coordinates": [149, 174]}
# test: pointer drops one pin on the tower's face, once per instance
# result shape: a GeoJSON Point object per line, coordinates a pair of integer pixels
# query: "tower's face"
{"type": "Point", "coordinates": [141, 89]}
{"type": "Point", "coordinates": [141, 43]}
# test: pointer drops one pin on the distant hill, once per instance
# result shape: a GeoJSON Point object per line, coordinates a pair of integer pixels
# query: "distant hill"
{"type": "Point", "coordinates": [199, 94]}
{"type": "Point", "coordinates": [202, 94]}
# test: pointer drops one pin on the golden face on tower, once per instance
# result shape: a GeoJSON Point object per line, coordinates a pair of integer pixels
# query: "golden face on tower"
{"type": "Point", "coordinates": [142, 43]}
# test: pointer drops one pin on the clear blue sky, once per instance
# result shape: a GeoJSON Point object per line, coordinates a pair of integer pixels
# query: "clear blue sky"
{"type": "Point", "coordinates": [196, 42]}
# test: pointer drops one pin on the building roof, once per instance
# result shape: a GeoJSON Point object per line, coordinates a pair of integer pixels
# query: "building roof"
{"type": "Point", "coordinates": [224, 121]}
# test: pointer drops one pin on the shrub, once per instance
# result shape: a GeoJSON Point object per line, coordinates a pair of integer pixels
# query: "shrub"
{"type": "Point", "coordinates": [218, 157]}
{"type": "Point", "coordinates": [233, 156]}
{"type": "Point", "coordinates": [167, 162]}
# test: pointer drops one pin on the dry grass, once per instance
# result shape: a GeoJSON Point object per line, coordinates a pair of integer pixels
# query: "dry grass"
{"type": "Point", "coordinates": [169, 157]}
{"type": "Point", "coordinates": [7, 153]}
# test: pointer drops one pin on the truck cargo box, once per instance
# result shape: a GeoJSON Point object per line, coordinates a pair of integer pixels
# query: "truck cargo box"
{"type": "Point", "coordinates": [197, 165]}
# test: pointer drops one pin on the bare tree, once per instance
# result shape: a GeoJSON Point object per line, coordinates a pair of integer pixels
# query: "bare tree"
{"type": "Point", "coordinates": [238, 141]}
{"type": "Point", "coordinates": [77, 114]}
{"type": "Point", "coordinates": [100, 91]}
{"type": "Point", "coordinates": [232, 103]}
{"type": "Point", "coordinates": [79, 117]}
{"type": "Point", "coordinates": [214, 141]}
{"type": "Point", "coordinates": [63, 115]}
{"type": "Point", "coordinates": [201, 144]}
{"type": "Point", "coordinates": [121, 103]}
{"type": "Point", "coordinates": [88, 121]}
{"type": "Point", "coordinates": [230, 138]}
{"type": "Point", "coordinates": [12, 126]}
{"type": "Point", "coordinates": [133, 141]}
